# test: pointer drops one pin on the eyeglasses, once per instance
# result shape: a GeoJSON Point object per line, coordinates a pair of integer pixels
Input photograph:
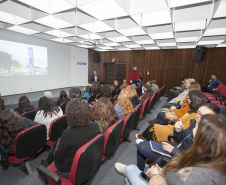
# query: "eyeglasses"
{"type": "Point", "coordinates": [199, 113]}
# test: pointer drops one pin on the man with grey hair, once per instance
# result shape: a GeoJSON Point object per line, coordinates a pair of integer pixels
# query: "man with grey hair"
{"type": "Point", "coordinates": [116, 84]}
{"type": "Point", "coordinates": [95, 77]}
{"type": "Point", "coordinates": [48, 94]}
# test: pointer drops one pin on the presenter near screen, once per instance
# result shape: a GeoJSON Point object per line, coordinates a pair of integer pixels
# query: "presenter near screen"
{"type": "Point", "coordinates": [95, 77]}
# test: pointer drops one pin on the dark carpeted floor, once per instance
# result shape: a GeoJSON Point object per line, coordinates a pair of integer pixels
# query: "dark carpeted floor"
{"type": "Point", "coordinates": [106, 174]}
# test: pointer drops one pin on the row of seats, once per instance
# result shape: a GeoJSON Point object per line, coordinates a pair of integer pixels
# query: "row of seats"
{"type": "Point", "coordinates": [217, 97]}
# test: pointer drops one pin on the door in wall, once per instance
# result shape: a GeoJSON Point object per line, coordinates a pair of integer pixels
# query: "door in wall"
{"type": "Point", "coordinates": [115, 71]}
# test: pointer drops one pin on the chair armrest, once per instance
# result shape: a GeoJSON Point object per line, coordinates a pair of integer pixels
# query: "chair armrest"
{"type": "Point", "coordinates": [164, 160]}
{"type": "Point", "coordinates": [44, 173]}
{"type": "Point", "coordinates": [171, 136]}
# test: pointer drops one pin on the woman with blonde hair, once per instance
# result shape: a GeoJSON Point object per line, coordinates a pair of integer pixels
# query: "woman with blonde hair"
{"type": "Point", "coordinates": [133, 95]}
{"type": "Point", "coordinates": [105, 114]}
{"type": "Point", "coordinates": [123, 105]}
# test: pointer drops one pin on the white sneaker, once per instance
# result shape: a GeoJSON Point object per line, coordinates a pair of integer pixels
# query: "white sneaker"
{"type": "Point", "coordinates": [120, 167]}
{"type": "Point", "coordinates": [139, 141]}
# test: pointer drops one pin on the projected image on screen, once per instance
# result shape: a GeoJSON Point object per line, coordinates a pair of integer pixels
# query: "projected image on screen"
{"type": "Point", "coordinates": [22, 59]}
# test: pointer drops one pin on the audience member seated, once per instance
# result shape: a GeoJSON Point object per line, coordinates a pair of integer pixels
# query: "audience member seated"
{"type": "Point", "coordinates": [81, 129]}
{"type": "Point", "coordinates": [63, 98]}
{"type": "Point", "coordinates": [95, 89]}
{"type": "Point", "coordinates": [183, 138]}
{"type": "Point", "coordinates": [212, 84]}
{"type": "Point", "coordinates": [49, 95]}
{"type": "Point", "coordinates": [101, 84]}
{"type": "Point", "coordinates": [105, 114]}
{"type": "Point", "coordinates": [182, 87]}
{"type": "Point", "coordinates": [116, 85]}
{"type": "Point", "coordinates": [133, 83]}
{"type": "Point", "coordinates": [174, 98]}
{"type": "Point", "coordinates": [112, 87]}
{"type": "Point", "coordinates": [133, 96]}
{"type": "Point", "coordinates": [140, 79]}
{"type": "Point", "coordinates": [11, 124]}
{"type": "Point", "coordinates": [203, 163]}
{"type": "Point", "coordinates": [124, 85]}
{"type": "Point", "coordinates": [75, 93]}
{"type": "Point", "coordinates": [106, 91]}
{"type": "Point", "coordinates": [88, 92]}
{"type": "Point", "coordinates": [157, 132]}
{"type": "Point", "coordinates": [154, 86]}
{"type": "Point", "coordinates": [24, 105]}
{"type": "Point", "coordinates": [47, 113]}
{"type": "Point", "coordinates": [123, 105]}
{"type": "Point", "coordinates": [173, 114]}
{"type": "Point", "coordinates": [147, 93]}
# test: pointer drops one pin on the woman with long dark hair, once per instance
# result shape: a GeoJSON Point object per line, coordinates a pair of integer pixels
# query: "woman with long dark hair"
{"type": "Point", "coordinates": [63, 98]}
{"type": "Point", "coordinates": [204, 163]}
{"type": "Point", "coordinates": [47, 113]}
{"type": "Point", "coordinates": [24, 105]}
{"type": "Point", "coordinates": [10, 125]}
{"type": "Point", "coordinates": [105, 114]}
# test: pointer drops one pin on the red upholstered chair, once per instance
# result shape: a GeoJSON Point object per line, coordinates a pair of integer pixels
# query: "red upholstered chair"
{"type": "Point", "coordinates": [27, 144]}
{"type": "Point", "coordinates": [63, 106]}
{"type": "Point", "coordinates": [30, 114]}
{"type": "Point", "coordinates": [161, 93]}
{"type": "Point", "coordinates": [85, 164]}
{"type": "Point", "coordinates": [116, 97]}
{"type": "Point", "coordinates": [111, 99]}
{"type": "Point", "coordinates": [117, 91]}
{"type": "Point", "coordinates": [91, 99]}
{"type": "Point", "coordinates": [99, 95]}
{"type": "Point", "coordinates": [127, 126]}
{"type": "Point", "coordinates": [111, 139]}
{"type": "Point", "coordinates": [151, 103]}
{"type": "Point", "coordinates": [93, 106]}
{"type": "Point", "coordinates": [137, 116]}
{"type": "Point", "coordinates": [56, 129]}
{"type": "Point", "coordinates": [206, 94]}
{"type": "Point", "coordinates": [144, 108]}
{"type": "Point", "coordinates": [113, 93]}
{"type": "Point", "coordinates": [214, 94]}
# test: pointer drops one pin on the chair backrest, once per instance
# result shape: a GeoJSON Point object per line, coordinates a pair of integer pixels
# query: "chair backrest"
{"type": "Point", "coordinates": [144, 108]}
{"type": "Point", "coordinates": [113, 93]}
{"type": "Point", "coordinates": [219, 87]}
{"type": "Point", "coordinates": [29, 141]}
{"type": "Point", "coordinates": [128, 124]}
{"type": "Point", "coordinates": [111, 99]}
{"type": "Point", "coordinates": [87, 160]}
{"type": "Point", "coordinates": [91, 99]}
{"type": "Point", "coordinates": [99, 95]}
{"type": "Point", "coordinates": [116, 97]}
{"type": "Point", "coordinates": [137, 115]}
{"type": "Point", "coordinates": [151, 103]}
{"type": "Point", "coordinates": [57, 127]}
{"type": "Point", "coordinates": [112, 138]}
{"type": "Point", "coordinates": [30, 114]}
{"type": "Point", "coordinates": [63, 106]}
{"type": "Point", "coordinates": [117, 91]}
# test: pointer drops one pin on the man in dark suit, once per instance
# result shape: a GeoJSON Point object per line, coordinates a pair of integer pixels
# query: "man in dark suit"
{"type": "Point", "coordinates": [95, 77]}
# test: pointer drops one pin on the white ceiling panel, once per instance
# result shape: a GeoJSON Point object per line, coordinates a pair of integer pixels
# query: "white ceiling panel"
{"type": "Point", "coordinates": [210, 42]}
{"type": "Point", "coordinates": [216, 31]}
{"type": "Point", "coordinates": [119, 39]}
{"type": "Point", "coordinates": [160, 29]}
{"type": "Point", "coordinates": [190, 25]}
{"type": "Point", "coordinates": [166, 35]}
{"type": "Point", "coordinates": [219, 23]}
{"type": "Point", "coordinates": [59, 33]}
{"type": "Point", "coordinates": [132, 31]}
{"type": "Point", "coordinates": [145, 42]}
{"type": "Point", "coordinates": [187, 39]}
{"type": "Point", "coordinates": [37, 27]}
{"type": "Point", "coordinates": [91, 36]}
{"type": "Point", "coordinates": [143, 6]}
{"type": "Point", "coordinates": [221, 10]}
{"type": "Point", "coordinates": [12, 19]}
{"type": "Point", "coordinates": [97, 26]}
{"type": "Point", "coordinates": [22, 30]}
{"type": "Point", "coordinates": [193, 13]}
{"type": "Point", "coordinates": [186, 47]}
{"type": "Point", "coordinates": [179, 3]}
{"type": "Point", "coordinates": [49, 6]}
{"type": "Point", "coordinates": [151, 48]}
{"type": "Point", "coordinates": [104, 9]}
{"type": "Point", "coordinates": [221, 45]}
{"type": "Point", "coordinates": [53, 21]}
{"type": "Point", "coordinates": [156, 18]}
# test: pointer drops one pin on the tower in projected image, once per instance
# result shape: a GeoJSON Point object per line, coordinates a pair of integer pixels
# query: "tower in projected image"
{"type": "Point", "coordinates": [31, 61]}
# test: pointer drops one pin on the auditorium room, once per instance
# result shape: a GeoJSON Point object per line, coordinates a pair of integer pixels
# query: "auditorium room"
{"type": "Point", "coordinates": [111, 92]}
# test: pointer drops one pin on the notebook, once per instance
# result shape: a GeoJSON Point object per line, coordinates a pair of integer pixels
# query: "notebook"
{"type": "Point", "coordinates": [157, 147]}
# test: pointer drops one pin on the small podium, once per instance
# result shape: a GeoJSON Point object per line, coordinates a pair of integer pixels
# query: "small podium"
{"type": "Point", "coordinates": [96, 82]}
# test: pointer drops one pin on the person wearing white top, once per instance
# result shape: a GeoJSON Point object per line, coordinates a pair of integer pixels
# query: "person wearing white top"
{"type": "Point", "coordinates": [47, 113]}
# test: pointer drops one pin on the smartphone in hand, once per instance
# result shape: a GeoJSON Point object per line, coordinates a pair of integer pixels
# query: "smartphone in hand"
{"type": "Point", "coordinates": [144, 176]}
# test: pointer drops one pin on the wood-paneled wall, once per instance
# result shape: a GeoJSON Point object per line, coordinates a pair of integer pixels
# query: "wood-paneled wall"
{"type": "Point", "coordinates": [166, 66]}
